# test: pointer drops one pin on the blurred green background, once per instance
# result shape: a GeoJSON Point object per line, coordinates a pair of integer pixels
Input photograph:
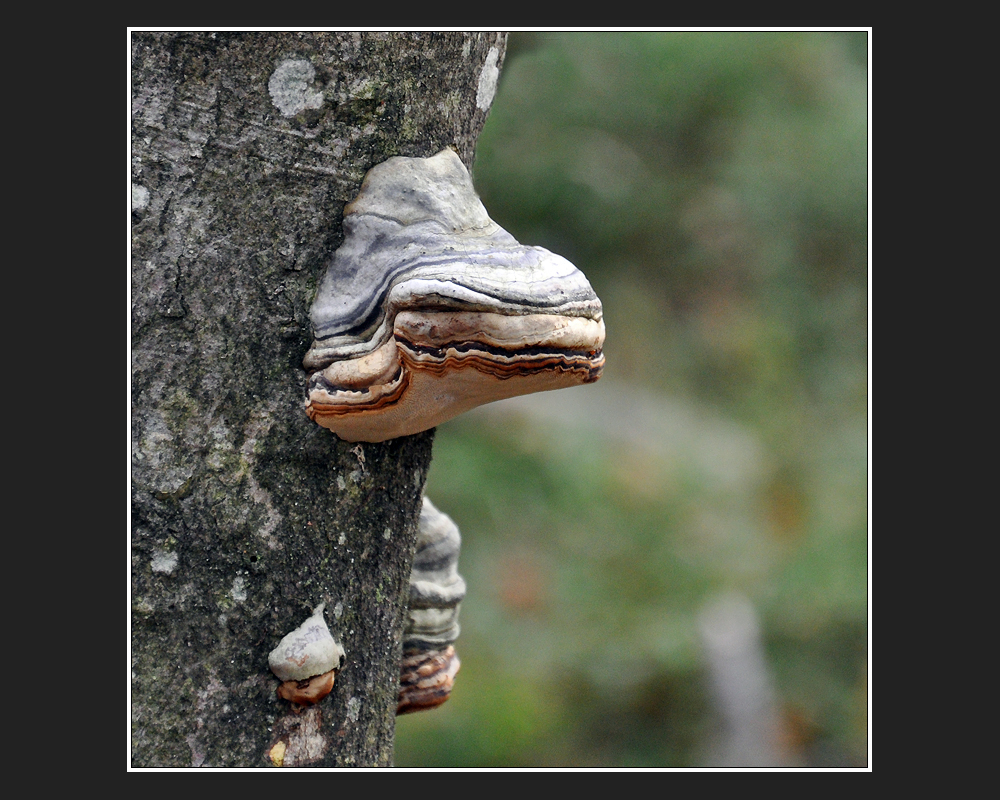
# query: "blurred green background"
{"type": "Point", "coordinates": [669, 568]}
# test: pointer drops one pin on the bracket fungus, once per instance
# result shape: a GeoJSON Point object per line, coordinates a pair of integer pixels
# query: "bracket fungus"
{"type": "Point", "coordinates": [429, 308]}
{"type": "Point", "coordinates": [306, 661]}
{"type": "Point", "coordinates": [429, 665]}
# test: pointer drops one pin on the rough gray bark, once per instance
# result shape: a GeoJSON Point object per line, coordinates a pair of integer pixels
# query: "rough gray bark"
{"type": "Point", "coordinates": [245, 515]}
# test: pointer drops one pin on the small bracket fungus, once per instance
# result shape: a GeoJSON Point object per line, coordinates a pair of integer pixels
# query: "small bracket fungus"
{"type": "Point", "coordinates": [429, 308]}
{"type": "Point", "coordinates": [430, 664]}
{"type": "Point", "coordinates": [306, 661]}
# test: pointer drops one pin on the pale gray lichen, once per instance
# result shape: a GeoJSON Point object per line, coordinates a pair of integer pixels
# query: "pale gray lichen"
{"type": "Point", "coordinates": [291, 87]}
{"type": "Point", "coordinates": [164, 561]}
{"type": "Point", "coordinates": [140, 197]}
{"type": "Point", "coordinates": [488, 80]}
{"type": "Point", "coordinates": [239, 590]}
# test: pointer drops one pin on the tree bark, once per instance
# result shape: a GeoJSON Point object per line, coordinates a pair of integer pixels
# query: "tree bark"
{"type": "Point", "coordinates": [246, 515]}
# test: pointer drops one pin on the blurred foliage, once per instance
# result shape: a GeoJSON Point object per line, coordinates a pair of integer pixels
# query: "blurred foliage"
{"type": "Point", "coordinates": [713, 187]}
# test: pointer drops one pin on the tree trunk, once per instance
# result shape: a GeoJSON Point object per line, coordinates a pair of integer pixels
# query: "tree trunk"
{"type": "Point", "coordinates": [246, 515]}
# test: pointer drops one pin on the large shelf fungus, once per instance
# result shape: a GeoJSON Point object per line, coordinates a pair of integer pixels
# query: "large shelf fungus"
{"type": "Point", "coordinates": [430, 663]}
{"type": "Point", "coordinates": [429, 308]}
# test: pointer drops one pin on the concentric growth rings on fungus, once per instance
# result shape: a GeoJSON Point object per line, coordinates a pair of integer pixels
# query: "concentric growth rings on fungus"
{"type": "Point", "coordinates": [429, 665]}
{"type": "Point", "coordinates": [429, 308]}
